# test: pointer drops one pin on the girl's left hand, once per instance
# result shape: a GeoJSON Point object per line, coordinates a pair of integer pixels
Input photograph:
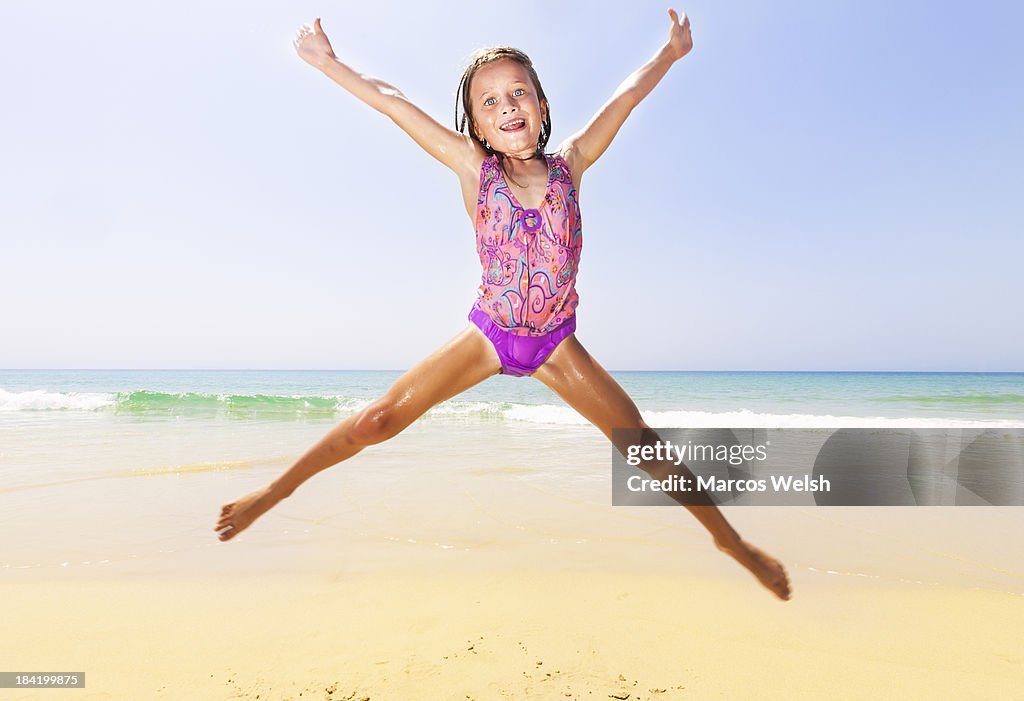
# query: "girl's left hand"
{"type": "Point", "coordinates": [679, 40]}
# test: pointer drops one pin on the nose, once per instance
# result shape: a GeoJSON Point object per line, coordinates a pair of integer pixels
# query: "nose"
{"type": "Point", "coordinates": [510, 106]}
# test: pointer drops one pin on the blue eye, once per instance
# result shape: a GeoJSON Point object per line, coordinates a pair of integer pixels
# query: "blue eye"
{"type": "Point", "coordinates": [518, 91]}
{"type": "Point", "coordinates": [489, 101]}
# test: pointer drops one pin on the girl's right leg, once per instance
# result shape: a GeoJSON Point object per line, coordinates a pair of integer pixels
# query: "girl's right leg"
{"type": "Point", "coordinates": [464, 361]}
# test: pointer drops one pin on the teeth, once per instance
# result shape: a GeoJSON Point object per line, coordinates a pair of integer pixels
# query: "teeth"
{"type": "Point", "coordinates": [513, 123]}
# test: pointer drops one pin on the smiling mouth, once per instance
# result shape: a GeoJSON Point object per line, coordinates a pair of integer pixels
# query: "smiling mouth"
{"type": "Point", "coordinates": [513, 125]}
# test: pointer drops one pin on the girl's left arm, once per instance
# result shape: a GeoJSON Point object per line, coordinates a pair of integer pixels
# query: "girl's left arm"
{"type": "Point", "coordinates": [585, 146]}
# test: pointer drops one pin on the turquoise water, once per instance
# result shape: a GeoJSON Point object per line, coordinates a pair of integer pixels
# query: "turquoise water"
{"type": "Point", "coordinates": [666, 398]}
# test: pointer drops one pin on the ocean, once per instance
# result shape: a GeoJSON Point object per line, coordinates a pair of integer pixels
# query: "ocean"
{"type": "Point", "coordinates": [667, 398]}
{"type": "Point", "coordinates": [126, 470]}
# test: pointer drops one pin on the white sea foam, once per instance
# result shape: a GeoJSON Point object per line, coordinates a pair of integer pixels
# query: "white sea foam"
{"type": "Point", "coordinates": [744, 418]}
{"type": "Point", "coordinates": [459, 408]}
{"type": "Point", "coordinates": [550, 414]}
{"type": "Point", "coordinates": [41, 400]}
{"type": "Point", "coordinates": [546, 414]}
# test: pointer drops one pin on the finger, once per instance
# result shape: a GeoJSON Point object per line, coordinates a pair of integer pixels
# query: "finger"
{"type": "Point", "coordinates": [318, 27]}
{"type": "Point", "coordinates": [672, 14]}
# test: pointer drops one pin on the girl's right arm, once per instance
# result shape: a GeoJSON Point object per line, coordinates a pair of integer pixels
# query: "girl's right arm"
{"type": "Point", "coordinates": [457, 151]}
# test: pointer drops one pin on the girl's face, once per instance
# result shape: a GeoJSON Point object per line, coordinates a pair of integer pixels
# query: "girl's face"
{"type": "Point", "coordinates": [507, 111]}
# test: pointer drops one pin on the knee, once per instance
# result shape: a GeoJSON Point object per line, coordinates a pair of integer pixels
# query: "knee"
{"type": "Point", "coordinates": [376, 423]}
{"type": "Point", "coordinates": [633, 422]}
{"type": "Point", "coordinates": [631, 431]}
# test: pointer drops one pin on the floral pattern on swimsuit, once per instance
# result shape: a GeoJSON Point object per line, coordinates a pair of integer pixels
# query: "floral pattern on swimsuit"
{"type": "Point", "coordinates": [530, 257]}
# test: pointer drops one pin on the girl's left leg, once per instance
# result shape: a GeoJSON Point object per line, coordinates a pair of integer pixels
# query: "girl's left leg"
{"type": "Point", "coordinates": [577, 378]}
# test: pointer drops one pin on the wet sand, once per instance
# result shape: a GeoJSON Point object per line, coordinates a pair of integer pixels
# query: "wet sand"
{"type": "Point", "coordinates": [414, 573]}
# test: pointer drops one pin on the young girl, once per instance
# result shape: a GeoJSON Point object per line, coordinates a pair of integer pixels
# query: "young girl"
{"type": "Point", "coordinates": [524, 205]}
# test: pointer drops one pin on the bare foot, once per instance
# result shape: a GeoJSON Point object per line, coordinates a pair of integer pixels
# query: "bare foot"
{"type": "Point", "coordinates": [236, 516]}
{"type": "Point", "coordinates": [766, 568]}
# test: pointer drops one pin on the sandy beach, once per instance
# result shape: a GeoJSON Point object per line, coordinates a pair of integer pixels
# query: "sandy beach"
{"type": "Point", "coordinates": [542, 599]}
{"type": "Point", "coordinates": [475, 556]}
{"type": "Point", "coordinates": [514, 635]}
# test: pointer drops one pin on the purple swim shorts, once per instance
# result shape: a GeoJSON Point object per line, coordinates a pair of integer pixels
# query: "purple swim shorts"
{"type": "Point", "coordinates": [520, 355]}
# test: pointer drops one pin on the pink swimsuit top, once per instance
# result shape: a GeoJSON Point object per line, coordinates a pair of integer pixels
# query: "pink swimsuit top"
{"type": "Point", "coordinates": [530, 257]}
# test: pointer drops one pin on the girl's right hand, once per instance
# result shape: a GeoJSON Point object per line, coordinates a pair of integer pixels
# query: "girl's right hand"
{"type": "Point", "coordinates": [312, 44]}
{"type": "Point", "coordinates": [680, 40]}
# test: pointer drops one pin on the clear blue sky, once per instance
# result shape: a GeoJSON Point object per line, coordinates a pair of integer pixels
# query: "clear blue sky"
{"type": "Point", "coordinates": [818, 185]}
